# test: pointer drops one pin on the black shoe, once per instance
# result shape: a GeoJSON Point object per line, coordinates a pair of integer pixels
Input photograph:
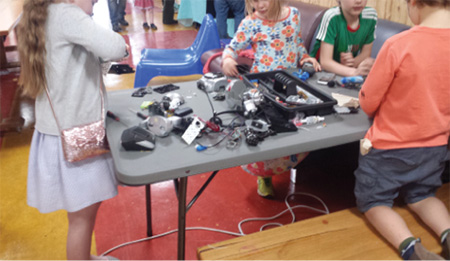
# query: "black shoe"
{"type": "Point", "coordinates": [123, 22]}
{"type": "Point", "coordinates": [171, 22]}
{"type": "Point", "coordinates": [117, 28]}
{"type": "Point", "coordinates": [153, 26]}
{"type": "Point", "coordinates": [146, 27]}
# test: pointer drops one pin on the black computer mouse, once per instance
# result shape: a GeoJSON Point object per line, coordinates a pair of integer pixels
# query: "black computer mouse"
{"type": "Point", "coordinates": [137, 138]}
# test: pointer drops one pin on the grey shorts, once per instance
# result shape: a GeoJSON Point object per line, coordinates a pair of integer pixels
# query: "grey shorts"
{"type": "Point", "coordinates": [414, 173]}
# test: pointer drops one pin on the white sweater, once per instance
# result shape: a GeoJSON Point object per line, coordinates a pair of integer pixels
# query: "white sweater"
{"type": "Point", "coordinates": [74, 44]}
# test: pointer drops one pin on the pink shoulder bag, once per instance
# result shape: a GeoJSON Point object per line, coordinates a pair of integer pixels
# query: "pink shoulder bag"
{"type": "Point", "coordinates": [84, 141]}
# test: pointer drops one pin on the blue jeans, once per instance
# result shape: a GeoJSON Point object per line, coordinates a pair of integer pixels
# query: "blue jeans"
{"type": "Point", "coordinates": [222, 7]}
{"type": "Point", "coordinates": [116, 10]}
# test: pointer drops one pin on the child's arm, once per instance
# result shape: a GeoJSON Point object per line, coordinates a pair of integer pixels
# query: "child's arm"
{"type": "Point", "coordinates": [304, 56]}
{"type": "Point", "coordinates": [229, 67]}
{"type": "Point", "coordinates": [377, 84]}
{"type": "Point", "coordinates": [365, 53]}
{"type": "Point", "coordinates": [240, 41]}
{"type": "Point", "coordinates": [330, 65]}
{"type": "Point", "coordinates": [349, 66]}
{"type": "Point", "coordinates": [83, 31]}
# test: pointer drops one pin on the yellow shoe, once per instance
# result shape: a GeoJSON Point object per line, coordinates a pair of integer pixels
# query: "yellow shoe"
{"type": "Point", "coordinates": [265, 187]}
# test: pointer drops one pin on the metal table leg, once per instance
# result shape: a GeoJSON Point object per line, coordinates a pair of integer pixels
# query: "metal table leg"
{"type": "Point", "coordinates": [148, 205]}
{"type": "Point", "coordinates": [182, 217]}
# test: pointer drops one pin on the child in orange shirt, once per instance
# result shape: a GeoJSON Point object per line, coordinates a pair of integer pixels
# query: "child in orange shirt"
{"type": "Point", "coordinates": [404, 151]}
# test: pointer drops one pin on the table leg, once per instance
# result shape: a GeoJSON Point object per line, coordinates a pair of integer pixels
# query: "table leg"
{"type": "Point", "coordinates": [148, 205]}
{"type": "Point", "coordinates": [175, 184]}
{"type": "Point", "coordinates": [182, 217]}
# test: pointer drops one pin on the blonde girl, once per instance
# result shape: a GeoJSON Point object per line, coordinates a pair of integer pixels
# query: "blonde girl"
{"type": "Point", "coordinates": [60, 47]}
{"type": "Point", "coordinates": [273, 31]}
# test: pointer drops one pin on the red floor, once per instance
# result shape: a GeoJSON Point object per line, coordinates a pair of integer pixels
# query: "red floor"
{"type": "Point", "coordinates": [230, 198]}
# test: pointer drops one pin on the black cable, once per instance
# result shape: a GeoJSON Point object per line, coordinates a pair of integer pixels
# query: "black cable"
{"type": "Point", "coordinates": [217, 143]}
{"type": "Point", "coordinates": [214, 118]}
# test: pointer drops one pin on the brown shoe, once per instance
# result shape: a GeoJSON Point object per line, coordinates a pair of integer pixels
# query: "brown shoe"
{"type": "Point", "coordinates": [421, 253]}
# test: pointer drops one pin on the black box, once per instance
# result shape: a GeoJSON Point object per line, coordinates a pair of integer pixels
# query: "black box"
{"type": "Point", "coordinates": [276, 86]}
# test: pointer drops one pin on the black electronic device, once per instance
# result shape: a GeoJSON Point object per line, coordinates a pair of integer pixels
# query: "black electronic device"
{"type": "Point", "coordinates": [141, 92]}
{"type": "Point", "coordinates": [284, 84]}
{"type": "Point", "coordinates": [120, 69]}
{"type": "Point", "coordinates": [166, 88]}
{"type": "Point", "coordinates": [316, 101]}
{"type": "Point", "coordinates": [137, 138]}
{"type": "Point", "coordinates": [181, 112]}
{"type": "Point", "coordinates": [326, 78]}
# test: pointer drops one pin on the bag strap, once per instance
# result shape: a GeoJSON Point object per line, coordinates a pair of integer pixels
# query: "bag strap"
{"type": "Point", "coordinates": [53, 110]}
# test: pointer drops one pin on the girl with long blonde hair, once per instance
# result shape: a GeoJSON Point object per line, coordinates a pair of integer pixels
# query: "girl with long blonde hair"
{"type": "Point", "coordinates": [60, 47]}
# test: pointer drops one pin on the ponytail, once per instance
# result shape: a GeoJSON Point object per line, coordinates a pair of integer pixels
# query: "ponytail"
{"type": "Point", "coordinates": [31, 46]}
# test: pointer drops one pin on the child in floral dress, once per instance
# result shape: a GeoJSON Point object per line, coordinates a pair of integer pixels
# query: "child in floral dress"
{"type": "Point", "coordinates": [273, 30]}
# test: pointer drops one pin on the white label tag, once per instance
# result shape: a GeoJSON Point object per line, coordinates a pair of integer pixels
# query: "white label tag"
{"type": "Point", "coordinates": [193, 130]}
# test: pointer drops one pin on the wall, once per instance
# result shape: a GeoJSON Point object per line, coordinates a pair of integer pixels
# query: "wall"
{"type": "Point", "coordinates": [394, 10]}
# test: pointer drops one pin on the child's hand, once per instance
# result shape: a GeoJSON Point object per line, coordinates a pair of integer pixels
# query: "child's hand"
{"type": "Point", "coordinates": [313, 61]}
{"type": "Point", "coordinates": [347, 59]}
{"type": "Point", "coordinates": [229, 67]}
{"type": "Point", "coordinates": [364, 67]}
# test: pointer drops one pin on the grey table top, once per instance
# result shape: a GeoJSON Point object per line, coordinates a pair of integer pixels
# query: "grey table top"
{"type": "Point", "coordinates": [173, 158]}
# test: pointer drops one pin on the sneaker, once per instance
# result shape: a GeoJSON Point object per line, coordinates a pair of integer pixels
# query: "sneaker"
{"type": "Point", "coordinates": [421, 253]}
{"type": "Point", "coordinates": [117, 28]}
{"type": "Point", "coordinates": [123, 22]}
{"type": "Point", "coordinates": [153, 26]}
{"type": "Point", "coordinates": [145, 25]}
{"type": "Point", "coordinates": [265, 187]}
{"type": "Point", "coordinates": [446, 247]}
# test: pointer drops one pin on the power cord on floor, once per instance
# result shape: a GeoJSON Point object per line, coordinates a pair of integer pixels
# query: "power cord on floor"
{"type": "Point", "coordinates": [241, 232]}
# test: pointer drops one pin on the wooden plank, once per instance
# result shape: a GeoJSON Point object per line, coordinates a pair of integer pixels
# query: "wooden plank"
{"type": "Point", "coordinates": [340, 235]}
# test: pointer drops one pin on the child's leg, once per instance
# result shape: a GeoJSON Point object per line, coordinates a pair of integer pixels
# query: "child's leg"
{"type": "Point", "coordinates": [390, 224]}
{"type": "Point", "coordinates": [151, 16]}
{"type": "Point", "coordinates": [434, 213]}
{"type": "Point", "coordinates": [145, 24]}
{"type": "Point", "coordinates": [79, 236]}
{"type": "Point", "coordinates": [151, 19]}
{"type": "Point", "coordinates": [144, 15]}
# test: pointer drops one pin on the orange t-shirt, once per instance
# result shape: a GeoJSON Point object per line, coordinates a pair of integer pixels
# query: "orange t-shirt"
{"type": "Point", "coordinates": [408, 90]}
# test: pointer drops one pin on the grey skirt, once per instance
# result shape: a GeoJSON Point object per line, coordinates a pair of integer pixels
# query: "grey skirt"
{"type": "Point", "coordinates": [54, 184]}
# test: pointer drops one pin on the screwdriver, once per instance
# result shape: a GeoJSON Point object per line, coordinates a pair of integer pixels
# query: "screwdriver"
{"type": "Point", "coordinates": [112, 116]}
{"type": "Point", "coordinates": [139, 114]}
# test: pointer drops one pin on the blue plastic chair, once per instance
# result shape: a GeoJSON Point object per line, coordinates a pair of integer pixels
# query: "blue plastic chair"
{"type": "Point", "coordinates": [178, 62]}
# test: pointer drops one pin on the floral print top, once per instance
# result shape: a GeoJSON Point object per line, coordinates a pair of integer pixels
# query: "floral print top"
{"type": "Point", "coordinates": [276, 44]}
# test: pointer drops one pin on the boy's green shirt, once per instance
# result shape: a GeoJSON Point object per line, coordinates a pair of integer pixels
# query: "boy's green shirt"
{"type": "Point", "coordinates": [333, 29]}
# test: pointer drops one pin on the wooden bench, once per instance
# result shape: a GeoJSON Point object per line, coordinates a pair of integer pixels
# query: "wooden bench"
{"type": "Point", "coordinates": [10, 13]}
{"type": "Point", "coordinates": [338, 236]}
